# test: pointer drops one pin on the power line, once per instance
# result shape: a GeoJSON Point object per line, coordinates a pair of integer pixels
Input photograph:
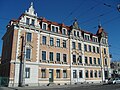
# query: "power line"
{"type": "Point", "coordinates": [88, 10]}
{"type": "Point", "coordinates": [93, 18]}
{"type": "Point", "coordinates": [106, 22]}
{"type": "Point", "coordinates": [71, 13]}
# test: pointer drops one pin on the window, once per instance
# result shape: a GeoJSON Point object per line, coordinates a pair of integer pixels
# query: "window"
{"type": "Point", "coordinates": [44, 40]}
{"type": "Point", "coordinates": [29, 37]}
{"type": "Point", "coordinates": [86, 61]}
{"type": "Point", "coordinates": [64, 58]}
{"type": "Point", "coordinates": [74, 74]}
{"type": "Point", "coordinates": [80, 59]}
{"type": "Point", "coordinates": [79, 46]}
{"type": "Point", "coordinates": [27, 72]}
{"type": "Point", "coordinates": [97, 49]}
{"type": "Point", "coordinates": [94, 49]}
{"type": "Point", "coordinates": [58, 56]}
{"type": "Point", "coordinates": [28, 53]}
{"type": "Point", "coordinates": [57, 73]}
{"type": "Point", "coordinates": [86, 73]}
{"type": "Point", "coordinates": [43, 72]}
{"type": "Point", "coordinates": [80, 74]}
{"type": "Point", "coordinates": [87, 37]}
{"type": "Point", "coordinates": [104, 51]}
{"type": "Point", "coordinates": [73, 45]}
{"type": "Point", "coordinates": [64, 43]}
{"type": "Point", "coordinates": [51, 41]}
{"type": "Point", "coordinates": [99, 73]}
{"type": "Point", "coordinates": [43, 55]}
{"type": "Point", "coordinates": [78, 34]}
{"type": "Point", "coordinates": [89, 48]}
{"type": "Point", "coordinates": [64, 31]}
{"type": "Point", "coordinates": [58, 42]}
{"type": "Point", "coordinates": [91, 74]}
{"type": "Point", "coordinates": [95, 73]}
{"type": "Point", "coordinates": [33, 22]}
{"type": "Point", "coordinates": [105, 61]}
{"type": "Point", "coordinates": [85, 47]}
{"type": "Point", "coordinates": [53, 29]}
{"type": "Point", "coordinates": [74, 58]}
{"type": "Point", "coordinates": [94, 60]}
{"type": "Point", "coordinates": [51, 56]}
{"type": "Point", "coordinates": [95, 39]}
{"type": "Point", "coordinates": [99, 61]}
{"type": "Point", "coordinates": [56, 29]}
{"type": "Point", "coordinates": [27, 21]}
{"type": "Point", "coordinates": [90, 58]}
{"type": "Point", "coordinates": [44, 27]}
{"type": "Point", "coordinates": [74, 33]}
{"type": "Point", "coordinates": [64, 73]}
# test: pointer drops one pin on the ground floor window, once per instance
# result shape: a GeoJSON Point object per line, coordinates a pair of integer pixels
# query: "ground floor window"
{"type": "Point", "coordinates": [74, 73]}
{"type": "Point", "coordinates": [80, 74]}
{"type": "Point", "coordinates": [57, 73]}
{"type": "Point", "coordinates": [86, 73]}
{"type": "Point", "coordinates": [27, 72]}
{"type": "Point", "coordinates": [43, 72]}
{"type": "Point", "coordinates": [64, 73]}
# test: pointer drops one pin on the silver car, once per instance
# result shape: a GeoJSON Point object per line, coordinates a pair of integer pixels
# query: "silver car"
{"type": "Point", "coordinates": [114, 81]}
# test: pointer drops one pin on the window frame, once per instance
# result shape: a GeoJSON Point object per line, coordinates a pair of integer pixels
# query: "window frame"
{"type": "Point", "coordinates": [27, 72]}
{"type": "Point", "coordinates": [43, 57]}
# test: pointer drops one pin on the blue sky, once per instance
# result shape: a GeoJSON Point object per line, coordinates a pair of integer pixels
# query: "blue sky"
{"type": "Point", "coordinates": [89, 14]}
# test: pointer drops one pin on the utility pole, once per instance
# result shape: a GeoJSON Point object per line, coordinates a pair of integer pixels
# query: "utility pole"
{"type": "Point", "coordinates": [21, 73]}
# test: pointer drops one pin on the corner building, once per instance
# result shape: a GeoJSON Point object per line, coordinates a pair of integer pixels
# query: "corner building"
{"type": "Point", "coordinates": [37, 52]}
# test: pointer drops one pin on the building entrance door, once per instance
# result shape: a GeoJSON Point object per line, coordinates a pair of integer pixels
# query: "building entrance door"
{"type": "Point", "coordinates": [50, 75]}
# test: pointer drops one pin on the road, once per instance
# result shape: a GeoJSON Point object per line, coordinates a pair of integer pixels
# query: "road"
{"type": "Point", "coordinates": [73, 87]}
{"type": "Point", "coordinates": [94, 87]}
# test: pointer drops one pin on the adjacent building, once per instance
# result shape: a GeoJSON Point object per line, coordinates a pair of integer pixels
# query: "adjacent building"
{"type": "Point", "coordinates": [115, 69]}
{"type": "Point", "coordinates": [37, 51]}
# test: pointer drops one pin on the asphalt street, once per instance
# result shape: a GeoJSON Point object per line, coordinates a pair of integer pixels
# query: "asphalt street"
{"type": "Point", "coordinates": [73, 87]}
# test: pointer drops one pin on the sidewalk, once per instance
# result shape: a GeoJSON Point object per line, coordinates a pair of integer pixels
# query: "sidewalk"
{"type": "Point", "coordinates": [48, 87]}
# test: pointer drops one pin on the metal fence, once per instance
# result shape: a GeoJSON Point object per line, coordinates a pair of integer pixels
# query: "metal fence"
{"type": "Point", "coordinates": [4, 81]}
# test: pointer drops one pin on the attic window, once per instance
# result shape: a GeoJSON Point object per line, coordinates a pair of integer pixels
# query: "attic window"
{"type": "Point", "coordinates": [86, 37]}
{"type": "Point", "coordinates": [64, 31]}
{"type": "Point", "coordinates": [44, 26]}
{"type": "Point", "coordinates": [95, 39]}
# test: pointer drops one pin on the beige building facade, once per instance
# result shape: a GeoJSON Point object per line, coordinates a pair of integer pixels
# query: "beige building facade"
{"type": "Point", "coordinates": [38, 52]}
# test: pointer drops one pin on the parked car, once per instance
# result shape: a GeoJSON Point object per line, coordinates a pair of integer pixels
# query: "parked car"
{"type": "Point", "coordinates": [114, 81]}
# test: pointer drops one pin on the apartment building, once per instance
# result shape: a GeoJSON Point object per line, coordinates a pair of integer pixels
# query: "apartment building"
{"type": "Point", "coordinates": [37, 51]}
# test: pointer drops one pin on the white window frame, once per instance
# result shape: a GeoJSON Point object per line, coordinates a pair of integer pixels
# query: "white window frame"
{"type": "Point", "coordinates": [87, 36]}
{"type": "Point", "coordinates": [43, 24]}
{"type": "Point", "coordinates": [55, 28]}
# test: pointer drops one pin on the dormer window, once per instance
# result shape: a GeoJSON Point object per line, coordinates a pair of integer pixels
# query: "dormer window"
{"type": "Point", "coordinates": [33, 22]}
{"type": "Point", "coordinates": [64, 31]}
{"type": "Point", "coordinates": [95, 39]}
{"type": "Point", "coordinates": [56, 29]}
{"type": "Point", "coordinates": [86, 37]}
{"type": "Point", "coordinates": [44, 26]}
{"type": "Point", "coordinates": [27, 21]}
{"type": "Point", "coordinates": [53, 29]}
